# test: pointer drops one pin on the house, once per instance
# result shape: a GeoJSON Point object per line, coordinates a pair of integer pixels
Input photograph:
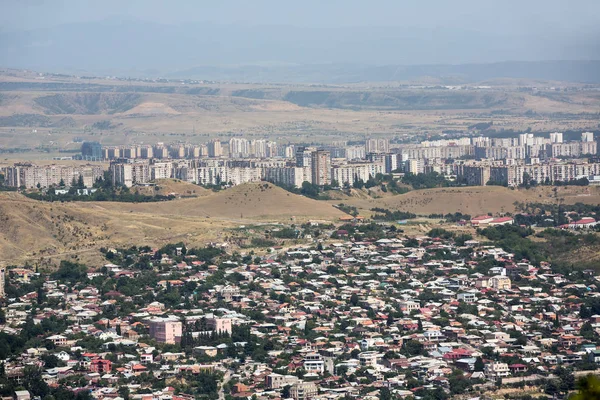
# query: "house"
{"type": "Point", "coordinates": [313, 362]}
{"type": "Point", "coordinates": [502, 221]}
{"type": "Point", "coordinates": [433, 335]}
{"type": "Point", "coordinates": [467, 297]}
{"type": "Point", "coordinates": [146, 358]}
{"type": "Point", "coordinates": [304, 390]}
{"type": "Point", "coordinates": [369, 358]}
{"type": "Point", "coordinates": [209, 351]}
{"type": "Point", "coordinates": [584, 223]}
{"type": "Point", "coordinates": [500, 282]}
{"type": "Point", "coordinates": [276, 381]}
{"type": "Point", "coordinates": [100, 366]}
{"type": "Point", "coordinates": [58, 340]}
{"type": "Point", "coordinates": [481, 220]}
{"type": "Point", "coordinates": [516, 368]}
{"type": "Point", "coordinates": [22, 395]}
{"type": "Point", "coordinates": [495, 370]}
{"type": "Point", "coordinates": [220, 325]}
{"type": "Point", "coordinates": [594, 356]}
{"type": "Point", "coordinates": [409, 306]}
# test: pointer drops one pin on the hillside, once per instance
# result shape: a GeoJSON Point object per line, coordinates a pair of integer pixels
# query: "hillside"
{"type": "Point", "coordinates": [59, 111]}
{"type": "Point", "coordinates": [474, 200]}
{"type": "Point", "coordinates": [43, 232]}
{"type": "Point", "coordinates": [262, 201]}
{"type": "Point", "coordinates": [177, 188]}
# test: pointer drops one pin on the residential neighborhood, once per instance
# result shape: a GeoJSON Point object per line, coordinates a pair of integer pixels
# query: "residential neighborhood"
{"type": "Point", "coordinates": [376, 316]}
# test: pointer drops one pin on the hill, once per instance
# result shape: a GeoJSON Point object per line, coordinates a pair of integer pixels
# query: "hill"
{"type": "Point", "coordinates": [177, 188]}
{"type": "Point", "coordinates": [57, 112]}
{"type": "Point", "coordinates": [262, 201]}
{"type": "Point", "coordinates": [44, 232]}
{"type": "Point", "coordinates": [474, 200]}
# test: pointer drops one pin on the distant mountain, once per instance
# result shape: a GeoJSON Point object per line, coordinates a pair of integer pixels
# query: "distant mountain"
{"type": "Point", "coordinates": [286, 53]}
{"type": "Point", "coordinates": [569, 71]}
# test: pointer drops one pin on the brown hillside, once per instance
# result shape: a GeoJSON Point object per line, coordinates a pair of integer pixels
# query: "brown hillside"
{"type": "Point", "coordinates": [174, 187]}
{"type": "Point", "coordinates": [42, 232]}
{"type": "Point", "coordinates": [252, 200]}
{"type": "Point", "coordinates": [475, 200]}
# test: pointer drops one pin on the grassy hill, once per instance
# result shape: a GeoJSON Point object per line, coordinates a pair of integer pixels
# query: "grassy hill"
{"type": "Point", "coordinates": [44, 232]}
{"type": "Point", "coordinates": [475, 200]}
{"type": "Point", "coordinates": [257, 201]}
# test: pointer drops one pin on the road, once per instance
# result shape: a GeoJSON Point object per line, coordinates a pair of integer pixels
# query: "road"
{"type": "Point", "coordinates": [226, 378]}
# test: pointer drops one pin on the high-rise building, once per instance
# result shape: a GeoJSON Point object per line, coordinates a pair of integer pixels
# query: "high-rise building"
{"type": "Point", "coordinates": [587, 136]}
{"type": "Point", "coordinates": [160, 151]}
{"type": "Point", "coordinates": [239, 148]}
{"type": "Point", "coordinates": [129, 174]}
{"type": "Point", "coordinates": [321, 167]}
{"type": "Point", "coordinates": [304, 156]}
{"type": "Point", "coordinates": [377, 146]}
{"type": "Point", "coordinates": [556, 137]}
{"type": "Point", "coordinates": [91, 151]}
{"type": "Point", "coordinates": [214, 148]}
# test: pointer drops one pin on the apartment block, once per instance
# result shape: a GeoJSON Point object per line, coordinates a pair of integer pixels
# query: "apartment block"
{"type": "Point", "coordinates": [165, 330]}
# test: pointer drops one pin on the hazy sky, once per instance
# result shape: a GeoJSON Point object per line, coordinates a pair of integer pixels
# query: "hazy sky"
{"type": "Point", "coordinates": [486, 15]}
{"type": "Point", "coordinates": [165, 36]}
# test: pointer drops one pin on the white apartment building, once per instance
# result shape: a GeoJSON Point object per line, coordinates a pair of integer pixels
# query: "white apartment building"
{"type": "Point", "coordinates": [223, 174]}
{"type": "Point", "coordinates": [377, 146]}
{"type": "Point", "coordinates": [161, 170]}
{"type": "Point", "coordinates": [350, 173]}
{"type": "Point", "coordinates": [369, 359]}
{"type": "Point", "coordinates": [30, 176]}
{"type": "Point", "coordinates": [288, 176]}
{"type": "Point", "coordinates": [313, 362]}
{"type": "Point", "coordinates": [129, 174]}
{"type": "Point", "coordinates": [495, 370]}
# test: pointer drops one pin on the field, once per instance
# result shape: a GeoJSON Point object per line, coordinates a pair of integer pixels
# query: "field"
{"type": "Point", "coordinates": [50, 113]}
{"type": "Point", "coordinates": [41, 232]}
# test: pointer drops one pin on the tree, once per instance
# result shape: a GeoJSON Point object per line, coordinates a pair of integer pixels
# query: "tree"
{"type": "Point", "coordinates": [566, 379]}
{"type": "Point", "coordinates": [390, 320]}
{"type": "Point", "coordinates": [385, 394]}
{"type": "Point", "coordinates": [124, 392]}
{"type": "Point", "coordinates": [588, 388]}
{"type": "Point", "coordinates": [551, 387]}
{"type": "Point", "coordinates": [584, 312]}
{"type": "Point", "coordinates": [285, 392]}
{"type": "Point", "coordinates": [479, 365]}
{"type": "Point", "coordinates": [354, 299]}
{"type": "Point", "coordinates": [458, 383]}
{"type": "Point", "coordinates": [413, 347]}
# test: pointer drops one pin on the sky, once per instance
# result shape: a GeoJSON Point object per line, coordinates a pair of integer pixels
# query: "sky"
{"type": "Point", "coordinates": [175, 35]}
{"type": "Point", "coordinates": [486, 15]}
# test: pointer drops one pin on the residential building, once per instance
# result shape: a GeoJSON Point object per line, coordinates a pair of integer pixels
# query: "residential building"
{"type": "Point", "coordinates": [304, 391]}
{"type": "Point", "coordinates": [165, 330]}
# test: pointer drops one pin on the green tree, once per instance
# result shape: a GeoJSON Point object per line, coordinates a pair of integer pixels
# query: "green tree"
{"type": "Point", "coordinates": [588, 388]}
{"type": "Point", "coordinates": [479, 365]}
